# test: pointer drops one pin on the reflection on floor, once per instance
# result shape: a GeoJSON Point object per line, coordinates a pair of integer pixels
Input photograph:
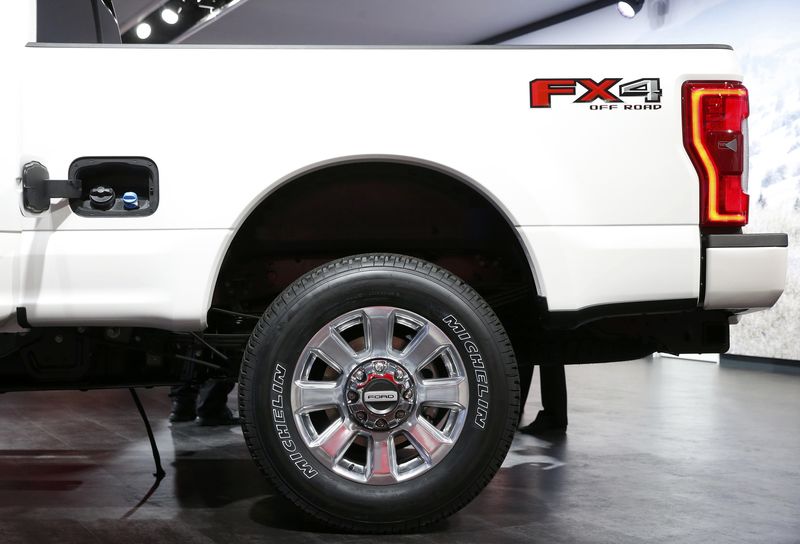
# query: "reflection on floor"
{"type": "Point", "coordinates": [662, 451]}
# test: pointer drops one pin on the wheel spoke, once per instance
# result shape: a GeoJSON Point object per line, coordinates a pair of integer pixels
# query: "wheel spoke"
{"type": "Point", "coordinates": [379, 326]}
{"type": "Point", "coordinates": [427, 439]}
{"type": "Point", "coordinates": [382, 460]}
{"type": "Point", "coordinates": [308, 396]}
{"type": "Point", "coordinates": [335, 440]}
{"type": "Point", "coordinates": [445, 392]}
{"type": "Point", "coordinates": [336, 352]}
{"type": "Point", "coordinates": [424, 347]}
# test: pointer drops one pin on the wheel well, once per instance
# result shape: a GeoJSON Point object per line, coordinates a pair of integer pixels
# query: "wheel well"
{"type": "Point", "coordinates": [378, 206]}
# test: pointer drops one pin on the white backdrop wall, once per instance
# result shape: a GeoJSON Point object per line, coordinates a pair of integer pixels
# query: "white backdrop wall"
{"type": "Point", "coordinates": [766, 36]}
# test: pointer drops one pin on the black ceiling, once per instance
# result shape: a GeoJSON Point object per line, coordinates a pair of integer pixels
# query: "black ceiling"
{"type": "Point", "coordinates": [365, 22]}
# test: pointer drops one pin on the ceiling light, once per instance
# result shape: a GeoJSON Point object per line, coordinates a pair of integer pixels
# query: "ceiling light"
{"type": "Point", "coordinates": [630, 8]}
{"type": "Point", "coordinates": [143, 31]}
{"type": "Point", "coordinates": [169, 16]}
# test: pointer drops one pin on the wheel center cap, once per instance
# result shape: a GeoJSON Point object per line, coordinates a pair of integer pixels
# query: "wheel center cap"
{"type": "Point", "coordinates": [380, 394]}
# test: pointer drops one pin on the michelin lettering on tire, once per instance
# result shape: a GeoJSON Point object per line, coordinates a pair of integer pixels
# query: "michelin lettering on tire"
{"type": "Point", "coordinates": [281, 429]}
{"type": "Point", "coordinates": [481, 379]}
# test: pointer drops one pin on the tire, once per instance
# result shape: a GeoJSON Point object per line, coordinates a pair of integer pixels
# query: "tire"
{"type": "Point", "coordinates": [448, 423]}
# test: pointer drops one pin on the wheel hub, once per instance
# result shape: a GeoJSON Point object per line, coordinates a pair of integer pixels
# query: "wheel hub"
{"type": "Point", "coordinates": [380, 394]}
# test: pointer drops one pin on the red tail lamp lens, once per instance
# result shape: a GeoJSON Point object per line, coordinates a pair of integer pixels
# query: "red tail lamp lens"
{"type": "Point", "coordinates": [714, 114]}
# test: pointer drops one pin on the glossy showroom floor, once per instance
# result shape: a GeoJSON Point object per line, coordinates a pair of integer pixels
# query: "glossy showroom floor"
{"type": "Point", "coordinates": [658, 451]}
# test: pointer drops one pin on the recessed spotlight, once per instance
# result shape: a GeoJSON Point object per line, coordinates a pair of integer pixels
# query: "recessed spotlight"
{"type": "Point", "coordinates": [630, 8]}
{"type": "Point", "coordinates": [143, 31]}
{"type": "Point", "coordinates": [169, 16]}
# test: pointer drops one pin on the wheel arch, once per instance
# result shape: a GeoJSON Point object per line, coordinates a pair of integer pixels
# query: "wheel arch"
{"type": "Point", "coordinates": [300, 173]}
{"type": "Point", "coordinates": [459, 178]}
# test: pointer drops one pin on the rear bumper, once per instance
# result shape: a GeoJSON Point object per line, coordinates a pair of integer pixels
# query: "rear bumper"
{"type": "Point", "coordinates": [744, 271]}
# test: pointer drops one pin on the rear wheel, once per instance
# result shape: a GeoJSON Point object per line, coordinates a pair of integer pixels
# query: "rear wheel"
{"type": "Point", "coordinates": [379, 393]}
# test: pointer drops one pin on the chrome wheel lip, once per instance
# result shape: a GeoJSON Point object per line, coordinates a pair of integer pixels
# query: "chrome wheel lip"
{"type": "Point", "coordinates": [430, 444]}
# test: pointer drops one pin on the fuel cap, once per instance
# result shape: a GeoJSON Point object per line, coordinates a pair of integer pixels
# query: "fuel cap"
{"type": "Point", "coordinates": [102, 197]}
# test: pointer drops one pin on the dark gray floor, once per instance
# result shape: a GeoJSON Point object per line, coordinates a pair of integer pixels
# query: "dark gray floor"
{"type": "Point", "coordinates": [657, 451]}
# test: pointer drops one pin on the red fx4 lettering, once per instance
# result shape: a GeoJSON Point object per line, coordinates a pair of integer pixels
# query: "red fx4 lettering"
{"type": "Point", "coordinates": [542, 90]}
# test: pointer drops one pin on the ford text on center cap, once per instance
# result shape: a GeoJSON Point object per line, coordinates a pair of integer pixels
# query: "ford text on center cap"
{"type": "Point", "coordinates": [380, 396]}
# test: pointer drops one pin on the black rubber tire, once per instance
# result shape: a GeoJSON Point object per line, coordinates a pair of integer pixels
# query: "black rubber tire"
{"type": "Point", "coordinates": [328, 292]}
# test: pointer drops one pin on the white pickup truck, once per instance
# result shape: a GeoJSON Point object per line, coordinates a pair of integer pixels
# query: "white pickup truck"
{"type": "Point", "coordinates": [371, 238]}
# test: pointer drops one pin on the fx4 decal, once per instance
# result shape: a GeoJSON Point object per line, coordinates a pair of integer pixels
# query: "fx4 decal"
{"type": "Point", "coordinates": [543, 90]}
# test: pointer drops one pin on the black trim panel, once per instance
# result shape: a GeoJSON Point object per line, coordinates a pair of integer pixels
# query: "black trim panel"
{"type": "Point", "coordinates": [574, 318]}
{"type": "Point", "coordinates": [756, 360]}
{"type": "Point", "coordinates": [22, 317]}
{"type": "Point", "coordinates": [747, 240]}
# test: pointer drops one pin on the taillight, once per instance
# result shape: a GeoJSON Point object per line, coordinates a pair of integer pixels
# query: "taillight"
{"type": "Point", "coordinates": [714, 134]}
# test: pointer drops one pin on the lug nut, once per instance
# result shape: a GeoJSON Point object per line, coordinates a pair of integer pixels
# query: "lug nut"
{"type": "Point", "coordinates": [408, 394]}
{"type": "Point", "coordinates": [352, 396]}
{"type": "Point", "coordinates": [361, 416]}
{"type": "Point", "coordinates": [399, 374]}
{"type": "Point", "coordinates": [360, 376]}
{"type": "Point", "coordinates": [400, 414]}
{"type": "Point", "coordinates": [380, 366]}
{"type": "Point", "coordinates": [381, 423]}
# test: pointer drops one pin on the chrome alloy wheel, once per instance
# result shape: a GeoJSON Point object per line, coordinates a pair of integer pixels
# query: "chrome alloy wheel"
{"type": "Point", "coordinates": [380, 395]}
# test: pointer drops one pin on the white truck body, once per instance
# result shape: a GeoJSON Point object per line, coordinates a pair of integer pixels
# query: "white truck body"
{"type": "Point", "coordinates": [601, 201]}
{"type": "Point", "coordinates": [617, 197]}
